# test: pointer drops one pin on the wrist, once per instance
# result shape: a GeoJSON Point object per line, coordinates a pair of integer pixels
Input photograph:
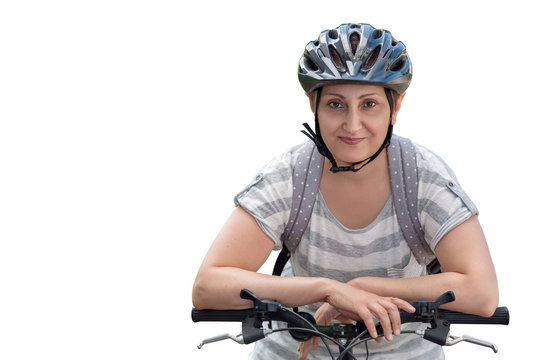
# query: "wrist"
{"type": "Point", "coordinates": [331, 289]}
{"type": "Point", "coordinates": [369, 284]}
{"type": "Point", "coordinates": [358, 283]}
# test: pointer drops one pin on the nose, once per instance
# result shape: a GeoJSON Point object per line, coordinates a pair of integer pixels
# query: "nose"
{"type": "Point", "coordinates": [353, 122]}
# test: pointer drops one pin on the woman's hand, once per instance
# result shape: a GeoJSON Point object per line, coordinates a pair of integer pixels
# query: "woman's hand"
{"type": "Point", "coordinates": [324, 315]}
{"type": "Point", "coordinates": [348, 303]}
{"type": "Point", "coordinates": [360, 305]}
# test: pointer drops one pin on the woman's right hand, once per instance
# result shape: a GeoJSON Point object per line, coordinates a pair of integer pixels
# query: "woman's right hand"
{"type": "Point", "coordinates": [324, 315]}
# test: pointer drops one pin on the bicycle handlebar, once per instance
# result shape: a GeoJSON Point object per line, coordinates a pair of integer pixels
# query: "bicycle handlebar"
{"type": "Point", "coordinates": [221, 315]}
{"type": "Point", "coordinates": [302, 326]}
{"type": "Point", "coordinates": [500, 317]}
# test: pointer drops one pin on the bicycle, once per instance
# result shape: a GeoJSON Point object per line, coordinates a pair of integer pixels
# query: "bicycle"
{"type": "Point", "coordinates": [302, 326]}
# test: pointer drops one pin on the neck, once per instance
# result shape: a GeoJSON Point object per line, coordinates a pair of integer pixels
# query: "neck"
{"type": "Point", "coordinates": [372, 170]}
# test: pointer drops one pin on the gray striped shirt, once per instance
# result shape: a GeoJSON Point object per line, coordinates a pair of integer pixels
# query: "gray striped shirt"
{"type": "Point", "coordinates": [329, 249]}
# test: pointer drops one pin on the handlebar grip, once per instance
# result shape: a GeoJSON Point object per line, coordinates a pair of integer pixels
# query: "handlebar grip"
{"type": "Point", "coordinates": [220, 315]}
{"type": "Point", "coordinates": [500, 317]}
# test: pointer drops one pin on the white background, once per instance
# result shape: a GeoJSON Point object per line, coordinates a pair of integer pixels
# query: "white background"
{"type": "Point", "coordinates": [128, 126]}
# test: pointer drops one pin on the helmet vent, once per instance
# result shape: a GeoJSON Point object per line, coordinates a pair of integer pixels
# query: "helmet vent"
{"type": "Point", "coordinates": [310, 64]}
{"type": "Point", "coordinates": [333, 34]}
{"type": "Point", "coordinates": [394, 41]}
{"type": "Point", "coordinates": [354, 40]}
{"type": "Point", "coordinates": [377, 34]}
{"type": "Point", "coordinates": [373, 57]}
{"type": "Point", "coordinates": [398, 64]}
{"type": "Point", "coordinates": [335, 57]}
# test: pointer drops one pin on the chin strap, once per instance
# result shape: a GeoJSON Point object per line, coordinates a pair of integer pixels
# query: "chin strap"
{"type": "Point", "coordinates": [316, 137]}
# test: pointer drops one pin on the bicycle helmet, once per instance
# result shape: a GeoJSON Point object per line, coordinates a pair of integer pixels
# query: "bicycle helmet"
{"type": "Point", "coordinates": [354, 53]}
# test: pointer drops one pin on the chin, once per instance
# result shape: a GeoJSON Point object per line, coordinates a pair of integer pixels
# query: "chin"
{"type": "Point", "coordinates": [350, 155]}
{"type": "Point", "coordinates": [350, 158]}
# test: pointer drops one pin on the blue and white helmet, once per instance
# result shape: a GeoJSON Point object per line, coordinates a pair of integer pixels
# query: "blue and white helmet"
{"type": "Point", "coordinates": [358, 53]}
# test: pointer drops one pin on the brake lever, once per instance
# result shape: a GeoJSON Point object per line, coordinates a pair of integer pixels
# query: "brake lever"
{"type": "Point", "coordinates": [238, 339]}
{"type": "Point", "coordinates": [452, 340]}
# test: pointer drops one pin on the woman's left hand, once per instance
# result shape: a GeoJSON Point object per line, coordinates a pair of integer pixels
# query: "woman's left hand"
{"type": "Point", "coordinates": [324, 315]}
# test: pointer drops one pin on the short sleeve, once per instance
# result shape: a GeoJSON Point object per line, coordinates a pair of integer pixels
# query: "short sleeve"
{"type": "Point", "coordinates": [268, 197]}
{"type": "Point", "coordinates": [442, 202]}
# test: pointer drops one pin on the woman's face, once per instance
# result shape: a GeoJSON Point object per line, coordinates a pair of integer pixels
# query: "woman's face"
{"type": "Point", "coordinates": [354, 119]}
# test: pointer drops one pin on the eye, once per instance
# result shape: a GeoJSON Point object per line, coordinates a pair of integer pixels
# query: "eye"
{"type": "Point", "coordinates": [369, 104]}
{"type": "Point", "coordinates": [335, 105]}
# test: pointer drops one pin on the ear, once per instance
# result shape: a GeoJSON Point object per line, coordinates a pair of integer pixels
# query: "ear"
{"type": "Point", "coordinates": [311, 97]}
{"type": "Point", "coordinates": [397, 107]}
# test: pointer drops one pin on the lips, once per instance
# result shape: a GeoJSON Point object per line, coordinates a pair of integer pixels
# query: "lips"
{"type": "Point", "coordinates": [350, 141]}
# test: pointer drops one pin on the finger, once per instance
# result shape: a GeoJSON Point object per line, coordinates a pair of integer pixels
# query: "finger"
{"type": "Point", "coordinates": [393, 314]}
{"type": "Point", "coordinates": [370, 324]}
{"type": "Point", "coordinates": [381, 313]}
{"type": "Point", "coordinates": [395, 318]}
{"type": "Point", "coordinates": [325, 314]}
{"type": "Point", "coordinates": [402, 304]}
{"type": "Point", "coordinates": [315, 343]}
{"type": "Point", "coordinates": [303, 350]}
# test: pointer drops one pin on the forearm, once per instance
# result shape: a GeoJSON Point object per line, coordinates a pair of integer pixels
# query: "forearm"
{"type": "Point", "coordinates": [474, 294]}
{"type": "Point", "coordinates": [232, 262]}
{"type": "Point", "coordinates": [469, 273]}
{"type": "Point", "coordinates": [219, 288]}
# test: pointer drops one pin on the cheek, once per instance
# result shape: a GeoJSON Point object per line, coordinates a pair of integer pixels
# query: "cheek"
{"type": "Point", "coordinates": [376, 126]}
{"type": "Point", "coordinates": [329, 124]}
{"type": "Point", "coordinates": [378, 122]}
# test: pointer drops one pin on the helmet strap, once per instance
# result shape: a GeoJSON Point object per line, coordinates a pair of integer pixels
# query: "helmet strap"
{"type": "Point", "coordinates": [316, 137]}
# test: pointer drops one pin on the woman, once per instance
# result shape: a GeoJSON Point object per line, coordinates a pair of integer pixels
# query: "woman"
{"type": "Point", "coordinates": [353, 262]}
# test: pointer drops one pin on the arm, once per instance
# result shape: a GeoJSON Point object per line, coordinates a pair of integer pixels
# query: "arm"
{"type": "Point", "coordinates": [468, 271]}
{"type": "Point", "coordinates": [242, 247]}
{"type": "Point", "coordinates": [231, 264]}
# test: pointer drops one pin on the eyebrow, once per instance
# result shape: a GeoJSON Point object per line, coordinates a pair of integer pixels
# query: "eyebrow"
{"type": "Point", "coordinates": [343, 97]}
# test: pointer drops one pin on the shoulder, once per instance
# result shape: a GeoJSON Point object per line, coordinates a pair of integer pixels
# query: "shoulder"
{"type": "Point", "coordinates": [442, 202]}
{"type": "Point", "coordinates": [434, 175]}
{"type": "Point", "coordinates": [268, 196]}
{"type": "Point", "coordinates": [280, 168]}
{"type": "Point", "coordinates": [435, 179]}
{"type": "Point", "coordinates": [274, 180]}
{"type": "Point", "coordinates": [286, 159]}
{"type": "Point", "coordinates": [431, 165]}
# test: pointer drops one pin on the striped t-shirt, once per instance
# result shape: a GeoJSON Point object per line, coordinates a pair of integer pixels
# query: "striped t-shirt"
{"type": "Point", "coordinates": [329, 249]}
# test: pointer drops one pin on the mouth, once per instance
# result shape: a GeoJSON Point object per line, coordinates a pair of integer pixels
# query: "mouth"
{"type": "Point", "coordinates": [351, 141]}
